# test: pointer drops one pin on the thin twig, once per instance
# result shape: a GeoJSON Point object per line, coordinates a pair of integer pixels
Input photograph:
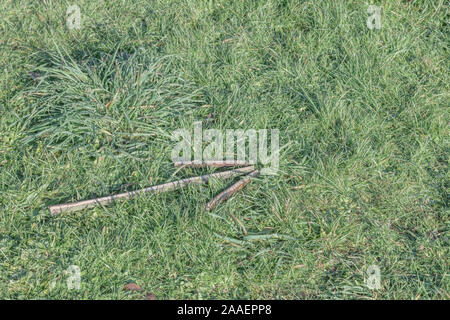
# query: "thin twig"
{"type": "Point", "coordinates": [213, 164]}
{"type": "Point", "coordinates": [231, 190]}
{"type": "Point", "coordinates": [76, 206]}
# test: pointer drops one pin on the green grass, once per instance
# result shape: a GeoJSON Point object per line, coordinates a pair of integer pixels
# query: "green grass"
{"type": "Point", "coordinates": [363, 119]}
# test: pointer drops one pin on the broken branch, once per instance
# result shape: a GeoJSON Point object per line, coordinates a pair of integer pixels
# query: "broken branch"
{"type": "Point", "coordinates": [76, 206]}
{"type": "Point", "coordinates": [214, 164]}
{"type": "Point", "coordinates": [231, 190]}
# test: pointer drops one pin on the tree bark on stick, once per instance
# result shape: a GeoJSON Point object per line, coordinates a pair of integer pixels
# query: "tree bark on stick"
{"type": "Point", "coordinates": [224, 195]}
{"type": "Point", "coordinates": [76, 206]}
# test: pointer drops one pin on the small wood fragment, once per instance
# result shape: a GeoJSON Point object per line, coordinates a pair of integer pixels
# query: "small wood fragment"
{"type": "Point", "coordinates": [132, 287]}
{"type": "Point", "coordinates": [76, 206]}
{"type": "Point", "coordinates": [231, 190]}
{"type": "Point", "coordinates": [150, 296]}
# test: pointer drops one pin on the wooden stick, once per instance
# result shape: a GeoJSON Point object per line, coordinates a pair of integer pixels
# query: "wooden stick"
{"type": "Point", "coordinates": [231, 190]}
{"type": "Point", "coordinates": [76, 206]}
{"type": "Point", "coordinates": [213, 164]}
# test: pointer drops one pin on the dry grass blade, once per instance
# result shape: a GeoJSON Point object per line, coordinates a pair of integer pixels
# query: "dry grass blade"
{"type": "Point", "coordinates": [240, 223]}
{"type": "Point", "coordinates": [76, 206]}
{"type": "Point", "coordinates": [231, 190]}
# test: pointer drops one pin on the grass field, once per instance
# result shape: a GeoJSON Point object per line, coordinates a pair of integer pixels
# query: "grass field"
{"type": "Point", "coordinates": [364, 136]}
